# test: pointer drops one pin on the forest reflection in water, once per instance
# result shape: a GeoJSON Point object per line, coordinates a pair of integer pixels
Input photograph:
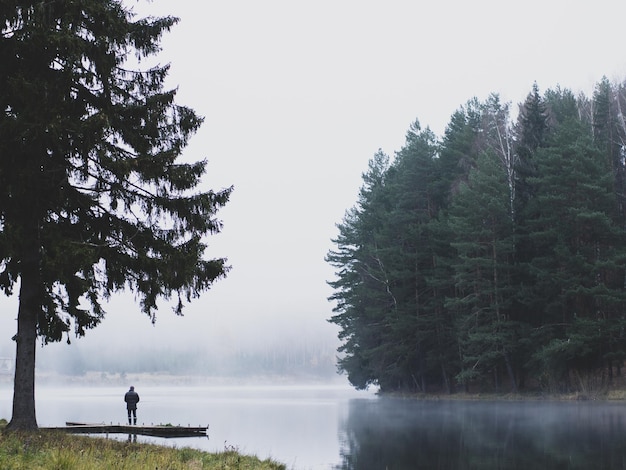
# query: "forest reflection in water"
{"type": "Point", "coordinates": [392, 433]}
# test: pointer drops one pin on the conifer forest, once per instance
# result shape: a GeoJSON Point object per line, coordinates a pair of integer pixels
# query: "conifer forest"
{"type": "Point", "coordinates": [491, 259]}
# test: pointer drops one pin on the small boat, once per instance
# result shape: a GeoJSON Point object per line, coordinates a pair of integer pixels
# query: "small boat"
{"type": "Point", "coordinates": [161, 430]}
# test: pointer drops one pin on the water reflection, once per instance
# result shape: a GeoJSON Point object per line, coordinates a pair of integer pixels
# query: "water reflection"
{"type": "Point", "coordinates": [408, 434]}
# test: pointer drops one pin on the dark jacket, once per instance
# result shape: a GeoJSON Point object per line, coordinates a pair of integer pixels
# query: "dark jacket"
{"type": "Point", "coordinates": [131, 398]}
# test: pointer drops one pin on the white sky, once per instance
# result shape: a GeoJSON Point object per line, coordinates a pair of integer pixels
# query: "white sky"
{"type": "Point", "coordinates": [299, 95]}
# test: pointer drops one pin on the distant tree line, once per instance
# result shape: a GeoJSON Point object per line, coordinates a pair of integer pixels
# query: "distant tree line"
{"type": "Point", "coordinates": [312, 359]}
{"type": "Point", "coordinates": [493, 258]}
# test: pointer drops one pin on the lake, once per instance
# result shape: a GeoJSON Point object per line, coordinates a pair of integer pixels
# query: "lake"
{"type": "Point", "coordinates": [335, 427]}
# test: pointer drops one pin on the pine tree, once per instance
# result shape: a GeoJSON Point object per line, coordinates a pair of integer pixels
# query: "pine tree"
{"type": "Point", "coordinates": [530, 133]}
{"type": "Point", "coordinates": [384, 260]}
{"type": "Point", "coordinates": [561, 106]}
{"type": "Point", "coordinates": [579, 254]}
{"type": "Point", "coordinates": [457, 151]}
{"type": "Point", "coordinates": [481, 220]}
{"type": "Point", "coordinates": [362, 287]}
{"type": "Point", "coordinates": [93, 198]}
{"type": "Point", "coordinates": [609, 133]}
{"type": "Point", "coordinates": [410, 183]}
{"type": "Point", "coordinates": [497, 138]}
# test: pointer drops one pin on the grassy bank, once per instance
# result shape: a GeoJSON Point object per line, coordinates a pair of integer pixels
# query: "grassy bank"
{"type": "Point", "coordinates": [60, 451]}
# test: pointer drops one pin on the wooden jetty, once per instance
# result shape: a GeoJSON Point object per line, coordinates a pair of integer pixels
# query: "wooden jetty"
{"type": "Point", "coordinates": [161, 430]}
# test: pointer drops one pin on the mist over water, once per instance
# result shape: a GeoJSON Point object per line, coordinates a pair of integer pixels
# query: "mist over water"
{"type": "Point", "coordinates": [409, 434]}
{"type": "Point", "coordinates": [335, 427]}
{"type": "Point", "coordinates": [297, 425]}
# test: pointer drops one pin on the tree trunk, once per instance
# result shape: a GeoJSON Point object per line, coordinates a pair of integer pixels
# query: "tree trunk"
{"type": "Point", "coordinates": [509, 369]}
{"type": "Point", "coordinates": [24, 384]}
{"type": "Point", "coordinates": [446, 381]}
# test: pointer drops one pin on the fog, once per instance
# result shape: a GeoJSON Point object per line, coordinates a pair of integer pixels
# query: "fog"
{"type": "Point", "coordinates": [395, 433]}
{"type": "Point", "coordinates": [196, 345]}
{"type": "Point", "coordinates": [297, 97]}
{"type": "Point", "coordinates": [324, 427]}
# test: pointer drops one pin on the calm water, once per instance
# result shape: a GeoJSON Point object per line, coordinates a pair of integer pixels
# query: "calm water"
{"type": "Point", "coordinates": [338, 428]}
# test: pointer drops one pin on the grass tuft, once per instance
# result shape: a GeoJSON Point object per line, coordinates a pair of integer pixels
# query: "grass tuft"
{"type": "Point", "coordinates": [47, 450]}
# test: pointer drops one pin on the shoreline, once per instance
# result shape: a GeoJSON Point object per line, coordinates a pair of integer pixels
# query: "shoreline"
{"type": "Point", "coordinates": [606, 396]}
{"type": "Point", "coordinates": [104, 379]}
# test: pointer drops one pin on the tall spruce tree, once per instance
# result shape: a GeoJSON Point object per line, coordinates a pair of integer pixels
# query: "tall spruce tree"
{"type": "Point", "coordinates": [362, 294]}
{"type": "Point", "coordinates": [457, 156]}
{"type": "Point", "coordinates": [530, 134]}
{"type": "Point", "coordinates": [497, 138]}
{"type": "Point", "coordinates": [93, 198]}
{"type": "Point", "coordinates": [561, 106]}
{"type": "Point", "coordinates": [384, 259]}
{"type": "Point", "coordinates": [531, 131]}
{"type": "Point", "coordinates": [410, 186]}
{"type": "Point", "coordinates": [578, 255]}
{"type": "Point", "coordinates": [609, 133]}
{"type": "Point", "coordinates": [620, 176]}
{"type": "Point", "coordinates": [481, 220]}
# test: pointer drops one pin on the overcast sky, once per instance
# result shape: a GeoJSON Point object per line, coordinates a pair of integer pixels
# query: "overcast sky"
{"type": "Point", "coordinates": [298, 96]}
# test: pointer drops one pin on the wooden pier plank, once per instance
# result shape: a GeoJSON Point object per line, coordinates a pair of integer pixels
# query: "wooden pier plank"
{"type": "Point", "coordinates": [154, 431]}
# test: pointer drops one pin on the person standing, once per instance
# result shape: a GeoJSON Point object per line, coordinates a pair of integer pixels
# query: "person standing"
{"type": "Point", "coordinates": [131, 398]}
